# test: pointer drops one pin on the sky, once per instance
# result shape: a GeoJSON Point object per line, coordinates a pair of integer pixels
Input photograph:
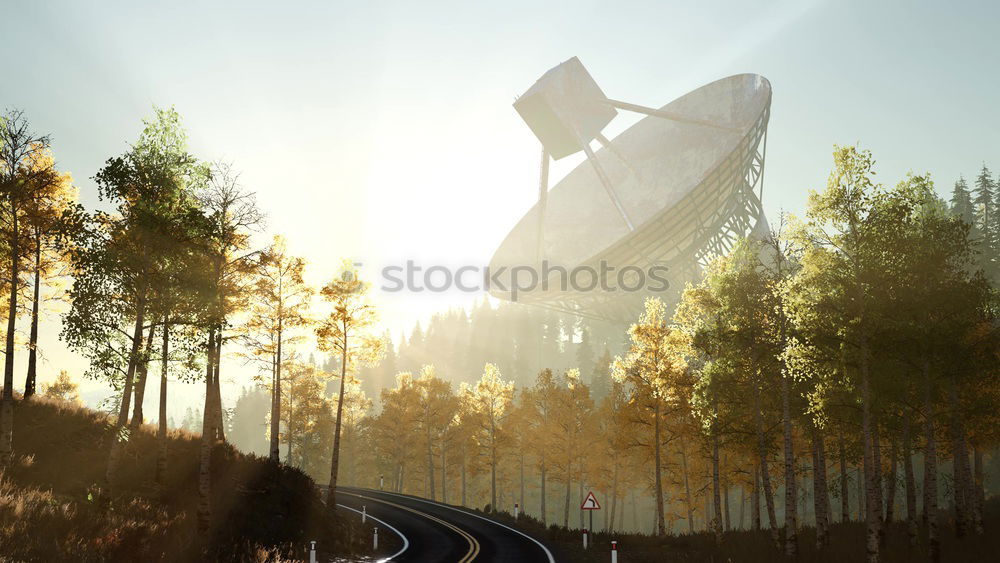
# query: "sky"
{"type": "Point", "coordinates": [383, 131]}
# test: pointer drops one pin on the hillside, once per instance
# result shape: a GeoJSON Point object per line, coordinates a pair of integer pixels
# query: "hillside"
{"type": "Point", "coordinates": [53, 507]}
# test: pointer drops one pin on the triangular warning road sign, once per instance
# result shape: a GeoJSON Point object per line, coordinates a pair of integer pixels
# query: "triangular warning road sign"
{"type": "Point", "coordinates": [590, 503]}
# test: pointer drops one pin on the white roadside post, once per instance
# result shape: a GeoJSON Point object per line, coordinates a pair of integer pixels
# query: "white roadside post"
{"type": "Point", "coordinates": [381, 481]}
{"type": "Point", "coordinates": [375, 541]}
{"type": "Point", "coordinates": [516, 507]}
{"type": "Point", "coordinates": [614, 551]}
{"type": "Point", "coordinates": [312, 552]}
{"type": "Point", "coordinates": [364, 514]}
{"type": "Point", "coordinates": [589, 504]}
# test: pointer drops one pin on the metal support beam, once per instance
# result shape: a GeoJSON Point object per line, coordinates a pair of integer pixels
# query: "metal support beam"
{"type": "Point", "coordinates": [606, 143]}
{"type": "Point", "coordinates": [608, 187]}
{"type": "Point", "coordinates": [666, 115]}
{"type": "Point", "coordinates": [543, 197]}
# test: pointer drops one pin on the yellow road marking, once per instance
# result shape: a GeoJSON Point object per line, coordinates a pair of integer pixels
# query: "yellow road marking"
{"type": "Point", "coordinates": [473, 543]}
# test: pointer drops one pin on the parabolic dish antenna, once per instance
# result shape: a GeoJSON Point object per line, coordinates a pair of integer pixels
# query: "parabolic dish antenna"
{"type": "Point", "coordinates": [672, 191]}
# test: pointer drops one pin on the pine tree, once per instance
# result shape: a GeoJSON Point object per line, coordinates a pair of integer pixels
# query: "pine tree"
{"type": "Point", "coordinates": [984, 206]}
{"type": "Point", "coordinates": [600, 379]}
{"type": "Point", "coordinates": [961, 202]}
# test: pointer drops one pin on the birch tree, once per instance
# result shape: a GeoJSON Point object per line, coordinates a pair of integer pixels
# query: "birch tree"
{"type": "Point", "coordinates": [490, 400]}
{"type": "Point", "coordinates": [347, 332]}
{"type": "Point", "coordinates": [652, 368]}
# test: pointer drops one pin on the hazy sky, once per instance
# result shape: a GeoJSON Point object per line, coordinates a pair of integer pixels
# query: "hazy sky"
{"type": "Point", "coordinates": [383, 131]}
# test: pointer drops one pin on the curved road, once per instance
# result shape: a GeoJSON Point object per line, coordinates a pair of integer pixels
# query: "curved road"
{"type": "Point", "coordinates": [432, 531]}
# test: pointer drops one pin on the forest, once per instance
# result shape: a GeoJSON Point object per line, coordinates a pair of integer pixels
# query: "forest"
{"type": "Point", "coordinates": [842, 368]}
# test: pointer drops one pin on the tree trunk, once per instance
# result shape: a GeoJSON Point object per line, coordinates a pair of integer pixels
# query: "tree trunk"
{"type": "Point", "coordinates": [743, 506]}
{"type": "Point", "coordinates": [930, 469]}
{"type": "Point", "coordinates": [962, 476]}
{"type": "Point", "coordinates": [273, 446]}
{"type": "Point", "coordinates": [755, 499]}
{"type": "Point", "coordinates": [276, 404]}
{"type": "Point", "coordinates": [220, 421]}
{"type": "Point", "coordinates": [444, 476]}
{"type": "Point", "coordinates": [873, 512]}
{"type": "Point", "coordinates": [29, 380]}
{"type": "Point", "coordinates": [205, 453]}
{"type": "Point", "coordinates": [845, 501]}
{"type": "Point", "coordinates": [621, 513]}
{"type": "Point", "coordinates": [430, 453]}
{"type": "Point", "coordinates": [544, 515]}
{"type": "Point", "coordinates": [614, 500]}
{"type": "Point", "coordinates": [979, 494]}
{"type": "Point", "coordinates": [765, 475]}
{"type": "Point", "coordinates": [716, 491]}
{"type": "Point", "coordinates": [463, 477]}
{"type": "Point", "coordinates": [725, 507]}
{"type": "Point", "coordinates": [7, 406]}
{"type": "Point", "coordinates": [140, 385]}
{"type": "Point", "coordinates": [911, 488]}
{"type": "Point", "coordinates": [890, 494]}
{"type": "Point", "coordinates": [635, 512]}
{"type": "Point", "coordinates": [331, 493]}
{"type": "Point", "coordinates": [862, 501]}
{"type": "Point", "coordinates": [493, 466]}
{"type": "Point", "coordinates": [879, 479]}
{"type": "Point", "coordinates": [289, 429]}
{"type": "Point", "coordinates": [709, 513]}
{"type": "Point", "coordinates": [569, 463]}
{"type": "Point", "coordinates": [658, 461]}
{"type": "Point", "coordinates": [821, 494]}
{"type": "Point", "coordinates": [161, 431]}
{"type": "Point", "coordinates": [521, 498]}
{"type": "Point", "coordinates": [791, 494]}
{"type": "Point", "coordinates": [210, 373]}
{"type": "Point", "coordinates": [687, 491]}
{"type": "Point", "coordinates": [123, 408]}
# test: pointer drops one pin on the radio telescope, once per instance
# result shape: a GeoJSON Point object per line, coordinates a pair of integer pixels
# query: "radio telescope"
{"type": "Point", "coordinates": [672, 191]}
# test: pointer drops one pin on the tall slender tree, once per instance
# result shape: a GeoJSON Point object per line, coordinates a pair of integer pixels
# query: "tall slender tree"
{"type": "Point", "coordinates": [347, 332]}
{"type": "Point", "coordinates": [279, 309]}
{"type": "Point", "coordinates": [491, 401]}
{"type": "Point", "coordinates": [22, 176]}
{"type": "Point", "coordinates": [651, 368]}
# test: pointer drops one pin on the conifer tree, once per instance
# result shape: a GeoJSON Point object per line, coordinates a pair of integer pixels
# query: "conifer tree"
{"type": "Point", "coordinates": [961, 202]}
{"type": "Point", "coordinates": [985, 215]}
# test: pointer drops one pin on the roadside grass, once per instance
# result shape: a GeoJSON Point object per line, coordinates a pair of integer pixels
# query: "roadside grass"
{"type": "Point", "coordinates": [847, 543]}
{"type": "Point", "coordinates": [54, 505]}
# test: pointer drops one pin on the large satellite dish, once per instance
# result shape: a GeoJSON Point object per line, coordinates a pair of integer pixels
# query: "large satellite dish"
{"type": "Point", "coordinates": [672, 191]}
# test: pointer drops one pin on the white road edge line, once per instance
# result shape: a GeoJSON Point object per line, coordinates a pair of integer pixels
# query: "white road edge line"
{"type": "Point", "coordinates": [406, 542]}
{"type": "Point", "coordinates": [545, 549]}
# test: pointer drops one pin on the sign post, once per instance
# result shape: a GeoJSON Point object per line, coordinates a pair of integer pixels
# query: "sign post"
{"type": "Point", "coordinates": [590, 504]}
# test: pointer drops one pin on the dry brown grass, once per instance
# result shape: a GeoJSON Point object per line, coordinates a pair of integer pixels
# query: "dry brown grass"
{"type": "Point", "coordinates": [55, 506]}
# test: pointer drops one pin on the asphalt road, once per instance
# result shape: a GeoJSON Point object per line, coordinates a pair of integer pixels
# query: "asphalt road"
{"type": "Point", "coordinates": [432, 531]}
